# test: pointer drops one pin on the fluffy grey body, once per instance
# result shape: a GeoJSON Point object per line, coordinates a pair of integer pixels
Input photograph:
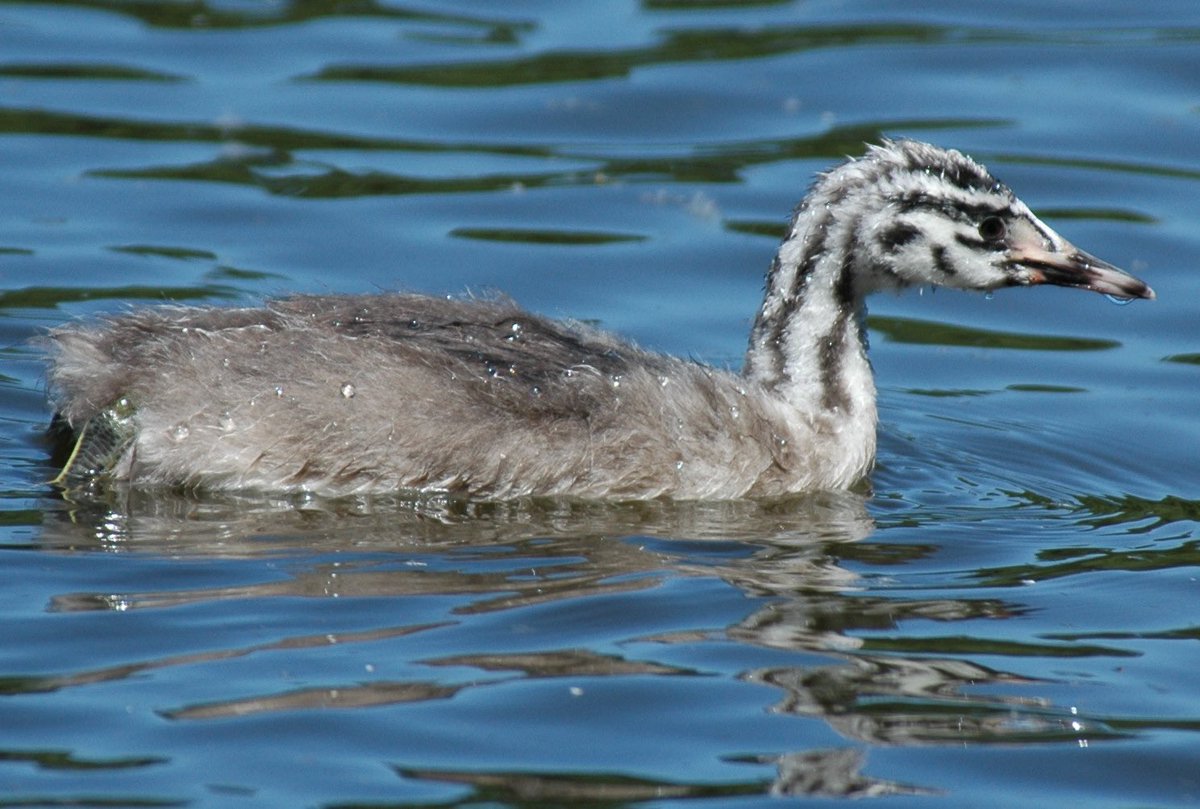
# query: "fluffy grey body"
{"type": "Point", "coordinates": [387, 392]}
{"type": "Point", "coordinates": [348, 394]}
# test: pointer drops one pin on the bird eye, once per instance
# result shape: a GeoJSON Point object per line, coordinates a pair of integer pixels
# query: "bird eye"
{"type": "Point", "coordinates": [992, 229]}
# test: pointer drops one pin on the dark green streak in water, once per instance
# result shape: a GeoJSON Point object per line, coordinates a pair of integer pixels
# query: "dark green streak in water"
{"type": "Point", "coordinates": [227, 273]}
{"type": "Point", "coordinates": [199, 14]}
{"type": "Point", "coordinates": [1035, 388]}
{"type": "Point", "coordinates": [21, 517]}
{"type": "Point", "coordinates": [586, 789]}
{"type": "Point", "coordinates": [52, 297]}
{"type": "Point", "coordinates": [947, 393]}
{"type": "Point", "coordinates": [1098, 215]}
{"type": "Point", "coordinates": [772, 230]}
{"type": "Point", "coordinates": [84, 71]}
{"type": "Point", "coordinates": [180, 253]}
{"type": "Point", "coordinates": [338, 183]}
{"type": "Point", "coordinates": [927, 332]}
{"type": "Point", "coordinates": [1185, 555]}
{"type": "Point", "coordinates": [44, 122]}
{"type": "Point", "coordinates": [677, 47]}
{"type": "Point", "coordinates": [524, 236]}
{"type": "Point", "coordinates": [1191, 633]}
{"type": "Point", "coordinates": [1101, 166]}
{"type": "Point", "coordinates": [220, 273]}
{"type": "Point", "coordinates": [1128, 509]}
{"type": "Point", "coordinates": [64, 760]}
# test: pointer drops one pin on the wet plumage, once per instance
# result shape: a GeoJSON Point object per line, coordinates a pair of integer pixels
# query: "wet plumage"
{"type": "Point", "coordinates": [346, 394]}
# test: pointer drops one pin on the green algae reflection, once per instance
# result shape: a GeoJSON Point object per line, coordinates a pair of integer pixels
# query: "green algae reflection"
{"type": "Point", "coordinates": [928, 332]}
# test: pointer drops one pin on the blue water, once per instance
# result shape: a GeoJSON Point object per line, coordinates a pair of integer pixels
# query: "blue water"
{"type": "Point", "coordinates": [1005, 617]}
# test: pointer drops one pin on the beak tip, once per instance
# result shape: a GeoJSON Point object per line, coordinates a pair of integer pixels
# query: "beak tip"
{"type": "Point", "coordinates": [1082, 271]}
{"type": "Point", "coordinates": [1142, 292]}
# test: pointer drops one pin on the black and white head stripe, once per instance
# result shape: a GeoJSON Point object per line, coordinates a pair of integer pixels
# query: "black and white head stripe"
{"type": "Point", "coordinates": [916, 175]}
{"type": "Point", "coordinates": [949, 165]}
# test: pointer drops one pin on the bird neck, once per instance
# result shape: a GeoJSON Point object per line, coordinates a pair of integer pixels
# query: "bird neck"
{"type": "Point", "coordinates": [808, 344]}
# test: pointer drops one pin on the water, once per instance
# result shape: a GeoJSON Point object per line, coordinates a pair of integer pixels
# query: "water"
{"type": "Point", "coordinates": [1004, 618]}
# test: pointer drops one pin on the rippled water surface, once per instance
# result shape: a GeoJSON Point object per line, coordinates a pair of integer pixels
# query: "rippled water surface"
{"type": "Point", "coordinates": [1008, 616]}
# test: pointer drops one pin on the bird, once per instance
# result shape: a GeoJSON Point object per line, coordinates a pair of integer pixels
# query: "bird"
{"type": "Point", "coordinates": [345, 394]}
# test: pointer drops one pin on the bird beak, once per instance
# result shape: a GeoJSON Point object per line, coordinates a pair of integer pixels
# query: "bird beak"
{"type": "Point", "coordinates": [1067, 266]}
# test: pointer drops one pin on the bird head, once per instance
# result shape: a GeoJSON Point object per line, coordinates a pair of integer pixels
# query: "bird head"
{"type": "Point", "coordinates": [923, 216]}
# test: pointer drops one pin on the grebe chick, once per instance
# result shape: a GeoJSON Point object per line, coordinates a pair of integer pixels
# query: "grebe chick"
{"type": "Point", "coordinates": [340, 394]}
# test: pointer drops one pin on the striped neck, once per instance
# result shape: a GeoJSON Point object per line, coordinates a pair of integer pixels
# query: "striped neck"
{"type": "Point", "coordinates": [808, 344]}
